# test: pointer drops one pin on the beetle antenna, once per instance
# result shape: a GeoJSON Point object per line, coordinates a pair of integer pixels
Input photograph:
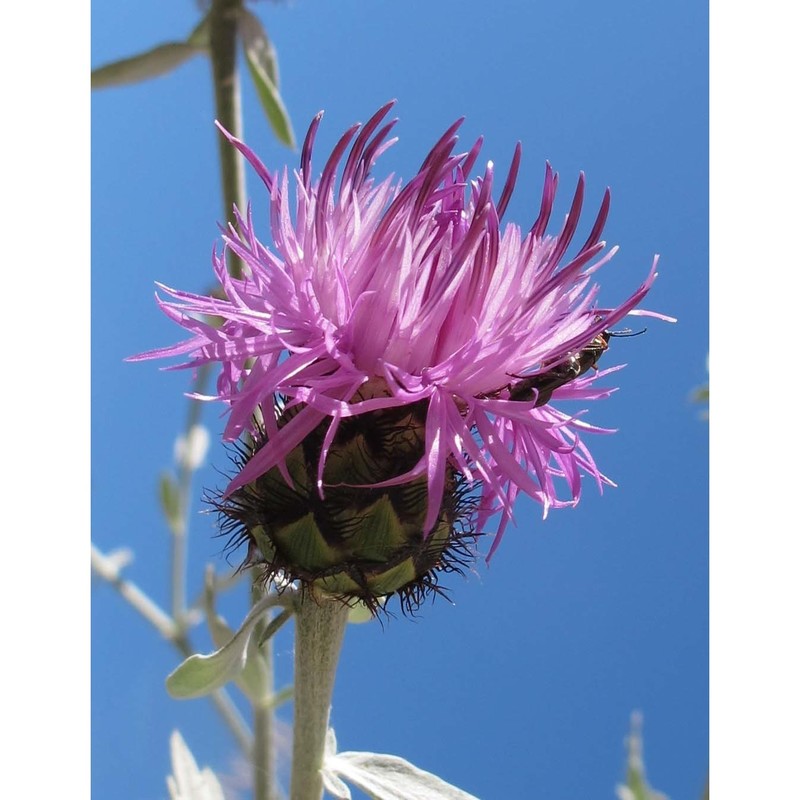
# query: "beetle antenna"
{"type": "Point", "coordinates": [626, 332]}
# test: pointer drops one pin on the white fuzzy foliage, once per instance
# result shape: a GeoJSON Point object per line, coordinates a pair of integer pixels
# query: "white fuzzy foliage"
{"type": "Point", "coordinates": [190, 451]}
{"type": "Point", "coordinates": [187, 782]}
{"type": "Point", "coordinates": [382, 777]}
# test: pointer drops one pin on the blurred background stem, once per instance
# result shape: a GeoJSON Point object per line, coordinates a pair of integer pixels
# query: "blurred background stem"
{"type": "Point", "coordinates": [224, 21]}
{"type": "Point", "coordinates": [107, 568]}
{"type": "Point", "coordinates": [264, 786]}
{"type": "Point", "coordinates": [180, 531]}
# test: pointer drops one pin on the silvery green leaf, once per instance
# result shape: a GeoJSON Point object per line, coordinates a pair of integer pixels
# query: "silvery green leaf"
{"type": "Point", "coordinates": [260, 58]}
{"type": "Point", "coordinates": [254, 678]}
{"type": "Point", "coordinates": [384, 777]}
{"type": "Point", "coordinates": [333, 783]}
{"type": "Point", "coordinates": [221, 634]}
{"type": "Point", "coordinates": [150, 64]}
{"type": "Point", "coordinates": [187, 782]}
{"type": "Point", "coordinates": [335, 786]}
{"type": "Point", "coordinates": [330, 745]}
{"type": "Point", "coordinates": [200, 674]}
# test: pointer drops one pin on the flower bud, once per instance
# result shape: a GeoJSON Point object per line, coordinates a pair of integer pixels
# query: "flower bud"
{"type": "Point", "coordinates": [353, 539]}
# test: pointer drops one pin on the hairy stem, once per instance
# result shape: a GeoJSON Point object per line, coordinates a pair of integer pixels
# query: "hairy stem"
{"type": "Point", "coordinates": [264, 787]}
{"type": "Point", "coordinates": [319, 630]}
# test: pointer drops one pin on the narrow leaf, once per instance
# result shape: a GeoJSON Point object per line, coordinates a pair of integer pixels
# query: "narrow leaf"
{"type": "Point", "coordinates": [258, 44]}
{"type": "Point", "coordinates": [150, 64]}
{"type": "Point", "coordinates": [200, 674]}
{"type": "Point", "coordinates": [384, 777]}
{"type": "Point", "coordinates": [169, 496]}
{"type": "Point", "coordinates": [261, 64]}
{"type": "Point", "coordinates": [336, 786]}
{"type": "Point", "coordinates": [201, 34]}
{"type": "Point", "coordinates": [275, 625]}
{"type": "Point", "coordinates": [254, 680]}
{"type": "Point", "coordinates": [253, 677]}
{"type": "Point", "coordinates": [281, 697]}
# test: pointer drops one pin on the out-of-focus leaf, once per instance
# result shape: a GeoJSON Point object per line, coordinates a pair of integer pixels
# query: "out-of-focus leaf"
{"type": "Point", "coordinates": [701, 394]}
{"type": "Point", "coordinates": [254, 679]}
{"type": "Point", "coordinates": [190, 450]}
{"type": "Point", "coordinates": [120, 558]}
{"type": "Point", "coordinates": [221, 634]}
{"type": "Point", "coordinates": [187, 782]}
{"type": "Point", "coordinates": [261, 61]}
{"type": "Point", "coordinates": [281, 697]}
{"type": "Point", "coordinates": [360, 613]}
{"type": "Point", "coordinates": [201, 35]}
{"type": "Point", "coordinates": [170, 499]}
{"type": "Point", "coordinates": [256, 41]}
{"type": "Point", "coordinates": [636, 786]}
{"type": "Point", "coordinates": [275, 625]}
{"type": "Point", "coordinates": [158, 61]}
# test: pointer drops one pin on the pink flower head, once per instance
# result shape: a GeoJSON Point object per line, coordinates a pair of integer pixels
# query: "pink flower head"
{"type": "Point", "coordinates": [418, 292]}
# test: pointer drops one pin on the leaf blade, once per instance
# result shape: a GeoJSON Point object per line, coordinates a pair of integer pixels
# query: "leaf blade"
{"type": "Point", "coordinates": [386, 777]}
{"type": "Point", "coordinates": [262, 64]}
{"type": "Point", "coordinates": [257, 42]}
{"type": "Point", "coordinates": [200, 674]}
{"type": "Point", "coordinates": [153, 63]}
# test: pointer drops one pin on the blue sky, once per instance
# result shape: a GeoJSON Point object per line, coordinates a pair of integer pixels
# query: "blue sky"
{"type": "Point", "coordinates": [524, 686]}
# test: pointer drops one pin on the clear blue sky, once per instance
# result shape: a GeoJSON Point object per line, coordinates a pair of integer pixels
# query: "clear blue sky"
{"type": "Point", "coordinates": [524, 687]}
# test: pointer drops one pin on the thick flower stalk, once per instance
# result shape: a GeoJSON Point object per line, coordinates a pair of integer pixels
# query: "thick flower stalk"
{"type": "Point", "coordinates": [399, 339]}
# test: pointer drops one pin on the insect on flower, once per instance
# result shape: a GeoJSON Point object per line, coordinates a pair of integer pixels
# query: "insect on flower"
{"type": "Point", "coordinates": [540, 387]}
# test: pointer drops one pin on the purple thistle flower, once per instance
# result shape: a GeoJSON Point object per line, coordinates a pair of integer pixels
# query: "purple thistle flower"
{"type": "Point", "coordinates": [376, 296]}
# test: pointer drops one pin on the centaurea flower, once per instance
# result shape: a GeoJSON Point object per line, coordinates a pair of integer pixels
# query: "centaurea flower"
{"type": "Point", "coordinates": [406, 324]}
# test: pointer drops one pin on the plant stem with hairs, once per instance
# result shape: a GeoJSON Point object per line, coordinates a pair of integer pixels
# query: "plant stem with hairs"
{"type": "Point", "coordinates": [319, 630]}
